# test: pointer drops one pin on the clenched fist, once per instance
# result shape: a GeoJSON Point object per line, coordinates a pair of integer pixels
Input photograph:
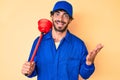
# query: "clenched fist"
{"type": "Point", "coordinates": [28, 68]}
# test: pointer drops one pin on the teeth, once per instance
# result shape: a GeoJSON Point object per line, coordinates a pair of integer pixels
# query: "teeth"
{"type": "Point", "coordinates": [60, 23]}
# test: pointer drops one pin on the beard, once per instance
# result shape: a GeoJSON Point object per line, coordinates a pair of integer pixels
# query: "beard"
{"type": "Point", "coordinates": [59, 28]}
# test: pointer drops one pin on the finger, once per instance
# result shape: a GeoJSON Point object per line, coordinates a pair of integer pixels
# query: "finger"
{"type": "Point", "coordinates": [92, 52]}
{"type": "Point", "coordinates": [27, 63]}
{"type": "Point", "coordinates": [26, 66]}
{"type": "Point", "coordinates": [98, 48]}
{"type": "Point", "coordinates": [32, 63]}
{"type": "Point", "coordinates": [24, 70]}
{"type": "Point", "coordinates": [27, 71]}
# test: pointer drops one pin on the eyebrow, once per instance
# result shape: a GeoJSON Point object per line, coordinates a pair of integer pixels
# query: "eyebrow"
{"type": "Point", "coordinates": [62, 11]}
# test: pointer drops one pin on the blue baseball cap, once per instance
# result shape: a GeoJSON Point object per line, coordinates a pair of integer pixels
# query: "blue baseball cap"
{"type": "Point", "coordinates": [64, 5]}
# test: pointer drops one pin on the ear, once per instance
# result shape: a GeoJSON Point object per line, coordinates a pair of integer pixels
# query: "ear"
{"type": "Point", "coordinates": [51, 16]}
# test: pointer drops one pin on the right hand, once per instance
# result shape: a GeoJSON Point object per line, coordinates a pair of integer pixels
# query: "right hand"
{"type": "Point", "coordinates": [28, 68]}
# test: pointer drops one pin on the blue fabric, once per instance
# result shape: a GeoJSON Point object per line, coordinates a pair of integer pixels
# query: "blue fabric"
{"type": "Point", "coordinates": [64, 63]}
{"type": "Point", "coordinates": [64, 5]}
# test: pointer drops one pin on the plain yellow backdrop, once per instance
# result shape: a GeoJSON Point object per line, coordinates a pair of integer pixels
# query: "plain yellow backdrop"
{"type": "Point", "coordinates": [95, 21]}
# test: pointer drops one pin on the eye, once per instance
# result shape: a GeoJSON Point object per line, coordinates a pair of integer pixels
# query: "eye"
{"type": "Point", "coordinates": [57, 13]}
{"type": "Point", "coordinates": [66, 16]}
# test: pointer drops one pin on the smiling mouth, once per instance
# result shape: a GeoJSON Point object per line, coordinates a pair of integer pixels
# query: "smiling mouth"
{"type": "Point", "coordinates": [60, 22]}
{"type": "Point", "coordinates": [60, 26]}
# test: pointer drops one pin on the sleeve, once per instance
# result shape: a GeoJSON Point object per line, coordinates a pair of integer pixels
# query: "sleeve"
{"type": "Point", "coordinates": [34, 73]}
{"type": "Point", "coordinates": [85, 70]}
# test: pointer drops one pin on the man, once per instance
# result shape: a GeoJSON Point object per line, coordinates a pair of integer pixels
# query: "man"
{"type": "Point", "coordinates": [61, 55]}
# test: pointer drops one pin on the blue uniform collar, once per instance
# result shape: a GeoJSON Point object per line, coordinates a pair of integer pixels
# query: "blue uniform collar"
{"type": "Point", "coordinates": [49, 35]}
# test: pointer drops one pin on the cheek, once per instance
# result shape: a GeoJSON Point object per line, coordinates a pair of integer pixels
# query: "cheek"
{"type": "Point", "coordinates": [53, 20]}
{"type": "Point", "coordinates": [67, 22]}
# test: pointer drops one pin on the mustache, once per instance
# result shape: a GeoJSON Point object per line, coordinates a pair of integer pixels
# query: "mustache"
{"type": "Point", "coordinates": [60, 21]}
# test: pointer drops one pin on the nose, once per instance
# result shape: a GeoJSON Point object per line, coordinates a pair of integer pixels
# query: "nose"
{"type": "Point", "coordinates": [61, 18]}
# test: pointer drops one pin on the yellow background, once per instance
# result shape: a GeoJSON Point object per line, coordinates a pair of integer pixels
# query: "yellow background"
{"type": "Point", "coordinates": [95, 21]}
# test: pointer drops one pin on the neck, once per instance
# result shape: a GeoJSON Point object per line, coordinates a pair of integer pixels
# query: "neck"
{"type": "Point", "coordinates": [58, 36]}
